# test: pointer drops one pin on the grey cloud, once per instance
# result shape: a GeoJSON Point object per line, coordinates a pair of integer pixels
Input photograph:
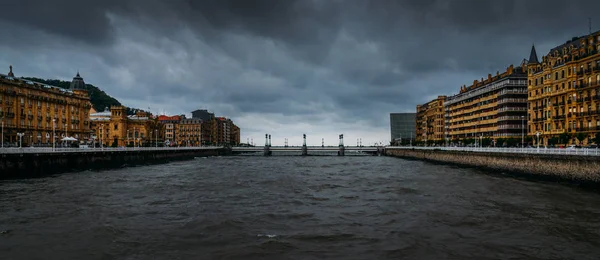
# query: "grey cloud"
{"type": "Point", "coordinates": [310, 61]}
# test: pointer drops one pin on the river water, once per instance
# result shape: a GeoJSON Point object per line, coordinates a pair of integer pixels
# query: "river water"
{"type": "Point", "coordinates": [295, 208]}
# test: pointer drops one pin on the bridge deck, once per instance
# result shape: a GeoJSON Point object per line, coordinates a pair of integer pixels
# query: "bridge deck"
{"type": "Point", "coordinates": [299, 148]}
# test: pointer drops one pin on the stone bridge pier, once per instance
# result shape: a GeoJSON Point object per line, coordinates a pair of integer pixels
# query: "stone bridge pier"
{"type": "Point", "coordinates": [267, 151]}
{"type": "Point", "coordinates": [304, 148]}
{"type": "Point", "coordinates": [341, 151]}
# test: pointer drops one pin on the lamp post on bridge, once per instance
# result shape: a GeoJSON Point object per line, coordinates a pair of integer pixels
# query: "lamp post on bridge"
{"type": "Point", "coordinates": [322, 142]}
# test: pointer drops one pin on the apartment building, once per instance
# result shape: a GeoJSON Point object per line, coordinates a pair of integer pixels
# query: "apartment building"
{"type": "Point", "coordinates": [430, 121]}
{"type": "Point", "coordinates": [491, 108]}
{"type": "Point", "coordinates": [564, 92]}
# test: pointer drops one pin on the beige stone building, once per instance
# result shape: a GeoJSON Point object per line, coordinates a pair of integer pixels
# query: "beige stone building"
{"type": "Point", "coordinates": [39, 114]}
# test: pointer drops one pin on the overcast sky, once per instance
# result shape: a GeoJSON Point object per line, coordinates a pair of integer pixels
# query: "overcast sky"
{"type": "Point", "coordinates": [283, 67]}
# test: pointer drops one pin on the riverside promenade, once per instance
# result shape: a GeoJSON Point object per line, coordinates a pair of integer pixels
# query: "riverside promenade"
{"type": "Point", "coordinates": [30, 161]}
{"type": "Point", "coordinates": [577, 165]}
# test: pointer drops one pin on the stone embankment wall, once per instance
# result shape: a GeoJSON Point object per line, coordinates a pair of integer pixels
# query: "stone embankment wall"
{"type": "Point", "coordinates": [559, 167]}
{"type": "Point", "coordinates": [37, 164]}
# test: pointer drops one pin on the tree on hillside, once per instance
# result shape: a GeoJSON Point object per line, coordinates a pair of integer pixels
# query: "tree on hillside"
{"type": "Point", "coordinates": [99, 99]}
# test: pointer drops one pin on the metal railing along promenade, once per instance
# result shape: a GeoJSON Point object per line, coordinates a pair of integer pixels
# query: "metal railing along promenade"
{"type": "Point", "coordinates": [16, 150]}
{"type": "Point", "coordinates": [534, 150]}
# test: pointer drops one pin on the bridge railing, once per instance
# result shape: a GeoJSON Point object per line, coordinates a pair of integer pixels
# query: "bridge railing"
{"type": "Point", "coordinates": [558, 151]}
{"type": "Point", "coordinates": [17, 150]}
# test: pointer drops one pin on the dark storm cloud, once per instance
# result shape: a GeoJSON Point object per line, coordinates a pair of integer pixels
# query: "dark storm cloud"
{"type": "Point", "coordinates": [337, 60]}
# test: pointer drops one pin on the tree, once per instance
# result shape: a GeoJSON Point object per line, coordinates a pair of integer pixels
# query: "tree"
{"type": "Point", "coordinates": [500, 142]}
{"type": "Point", "coordinates": [553, 140]}
{"type": "Point", "coordinates": [580, 137]}
{"type": "Point", "coordinates": [528, 139]}
{"type": "Point", "coordinates": [99, 99]}
{"type": "Point", "coordinates": [486, 141]}
{"type": "Point", "coordinates": [512, 142]}
{"type": "Point", "coordinates": [563, 138]}
{"type": "Point", "coordinates": [596, 139]}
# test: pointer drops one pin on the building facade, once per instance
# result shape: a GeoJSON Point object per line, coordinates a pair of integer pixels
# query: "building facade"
{"type": "Point", "coordinates": [42, 115]}
{"type": "Point", "coordinates": [492, 109]}
{"type": "Point", "coordinates": [114, 128]}
{"type": "Point", "coordinates": [430, 121]}
{"type": "Point", "coordinates": [170, 129]}
{"type": "Point", "coordinates": [190, 132]}
{"type": "Point", "coordinates": [235, 135]}
{"type": "Point", "coordinates": [564, 92]}
{"type": "Point", "coordinates": [402, 127]}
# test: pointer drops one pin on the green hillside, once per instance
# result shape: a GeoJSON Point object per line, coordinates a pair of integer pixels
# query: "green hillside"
{"type": "Point", "coordinates": [100, 100]}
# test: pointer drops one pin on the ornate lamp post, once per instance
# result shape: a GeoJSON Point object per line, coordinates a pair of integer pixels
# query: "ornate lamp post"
{"type": "Point", "coordinates": [20, 138]}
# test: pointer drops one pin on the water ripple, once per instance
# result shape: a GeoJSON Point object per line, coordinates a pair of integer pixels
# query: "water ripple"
{"type": "Point", "coordinates": [295, 208]}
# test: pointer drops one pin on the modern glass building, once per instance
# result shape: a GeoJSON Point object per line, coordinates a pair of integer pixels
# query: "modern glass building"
{"type": "Point", "coordinates": [402, 125]}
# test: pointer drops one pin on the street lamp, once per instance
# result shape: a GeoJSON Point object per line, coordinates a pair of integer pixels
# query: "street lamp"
{"type": "Point", "coordinates": [53, 134]}
{"type": "Point", "coordinates": [2, 140]}
{"type": "Point", "coordinates": [20, 138]}
{"type": "Point", "coordinates": [522, 131]}
{"type": "Point", "coordinates": [156, 140]}
{"type": "Point", "coordinates": [102, 136]}
{"type": "Point", "coordinates": [538, 139]}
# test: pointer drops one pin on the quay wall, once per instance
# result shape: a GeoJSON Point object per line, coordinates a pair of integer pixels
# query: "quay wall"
{"type": "Point", "coordinates": [24, 165]}
{"type": "Point", "coordinates": [572, 168]}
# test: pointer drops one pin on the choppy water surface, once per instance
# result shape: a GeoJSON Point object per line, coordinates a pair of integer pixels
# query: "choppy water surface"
{"type": "Point", "coordinates": [295, 208]}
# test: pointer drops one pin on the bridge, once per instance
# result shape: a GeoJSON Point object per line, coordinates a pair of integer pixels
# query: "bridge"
{"type": "Point", "coordinates": [304, 150]}
{"type": "Point", "coordinates": [308, 149]}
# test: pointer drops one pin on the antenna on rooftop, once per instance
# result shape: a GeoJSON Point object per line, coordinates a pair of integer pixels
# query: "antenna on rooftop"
{"type": "Point", "coordinates": [590, 24]}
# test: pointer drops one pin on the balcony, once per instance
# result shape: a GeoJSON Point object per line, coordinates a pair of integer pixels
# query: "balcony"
{"type": "Point", "coordinates": [39, 118]}
{"type": "Point", "coordinates": [579, 72]}
{"type": "Point", "coordinates": [10, 115]}
{"type": "Point", "coordinates": [588, 71]}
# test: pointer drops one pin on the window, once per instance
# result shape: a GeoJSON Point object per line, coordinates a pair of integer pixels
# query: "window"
{"type": "Point", "coordinates": [555, 75]}
{"type": "Point", "coordinates": [116, 127]}
{"type": "Point", "coordinates": [562, 74]}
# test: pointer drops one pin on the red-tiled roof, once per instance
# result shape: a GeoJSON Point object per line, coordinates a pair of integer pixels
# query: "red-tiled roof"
{"type": "Point", "coordinates": [168, 118]}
